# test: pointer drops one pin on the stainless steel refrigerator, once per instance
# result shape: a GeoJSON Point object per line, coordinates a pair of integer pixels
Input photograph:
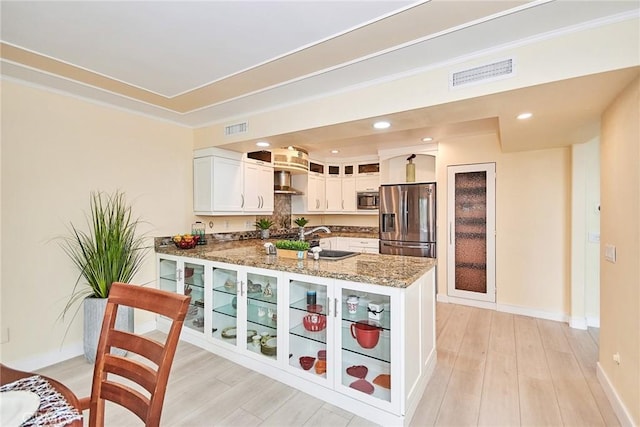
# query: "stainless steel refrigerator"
{"type": "Point", "coordinates": [408, 219]}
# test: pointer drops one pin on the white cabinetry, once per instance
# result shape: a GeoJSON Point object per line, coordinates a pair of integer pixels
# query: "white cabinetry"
{"type": "Point", "coordinates": [314, 198]}
{"type": "Point", "coordinates": [217, 185]}
{"type": "Point", "coordinates": [352, 363]}
{"type": "Point", "coordinates": [258, 186]}
{"type": "Point", "coordinates": [298, 316]}
{"type": "Point", "coordinates": [243, 304]}
{"type": "Point", "coordinates": [333, 191]}
{"type": "Point", "coordinates": [185, 276]}
{"type": "Point", "coordinates": [370, 246]}
{"type": "Point", "coordinates": [353, 244]}
{"type": "Point", "coordinates": [224, 184]}
{"type": "Point", "coordinates": [368, 182]}
{"type": "Point", "coordinates": [349, 194]}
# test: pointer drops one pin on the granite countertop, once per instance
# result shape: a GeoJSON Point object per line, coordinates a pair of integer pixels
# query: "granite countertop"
{"type": "Point", "coordinates": [386, 270]}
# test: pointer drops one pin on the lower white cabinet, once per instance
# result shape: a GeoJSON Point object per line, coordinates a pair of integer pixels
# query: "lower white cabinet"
{"type": "Point", "coordinates": [344, 349]}
{"type": "Point", "coordinates": [314, 333]}
{"type": "Point", "coordinates": [353, 244]}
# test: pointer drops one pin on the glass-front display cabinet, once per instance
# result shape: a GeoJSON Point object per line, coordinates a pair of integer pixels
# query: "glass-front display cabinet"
{"type": "Point", "coordinates": [224, 305]}
{"type": "Point", "coordinates": [365, 350]}
{"type": "Point", "coordinates": [194, 286]}
{"type": "Point", "coordinates": [176, 275]}
{"type": "Point", "coordinates": [244, 310]}
{"type": "Point", "coordinates": [261, 314]}
{"type": "Point", "coordinates": [309, 312]}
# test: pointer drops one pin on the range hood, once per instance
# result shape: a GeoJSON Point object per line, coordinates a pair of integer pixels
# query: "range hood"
{"type": "Point", "coordinates": [282, 183]}
{"type": "Point", "coordinates": [292, 159]}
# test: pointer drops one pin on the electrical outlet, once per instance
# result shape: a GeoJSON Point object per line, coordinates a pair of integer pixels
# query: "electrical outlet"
{"type": "Point", "coordinates": [610, 253]}
{"type": "Point", "coordinates": [226, 225]}
{"type": "Point", "coordinates": [248, 224]}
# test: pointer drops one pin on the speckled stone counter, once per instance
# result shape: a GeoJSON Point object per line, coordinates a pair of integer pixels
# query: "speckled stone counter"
{"type": "Point", "coordinates": [386, 270]}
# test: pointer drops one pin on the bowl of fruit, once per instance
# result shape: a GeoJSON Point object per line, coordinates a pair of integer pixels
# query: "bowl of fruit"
{"type": "Point", "coordinates": [185, 241]}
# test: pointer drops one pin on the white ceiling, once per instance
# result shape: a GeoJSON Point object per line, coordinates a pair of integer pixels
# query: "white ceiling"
{"type": "Point", "coordinates": [203, 62]}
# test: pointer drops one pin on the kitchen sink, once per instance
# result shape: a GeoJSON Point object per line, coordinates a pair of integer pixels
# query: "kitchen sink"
{"type": "Point", "coordinates": [336, 255]}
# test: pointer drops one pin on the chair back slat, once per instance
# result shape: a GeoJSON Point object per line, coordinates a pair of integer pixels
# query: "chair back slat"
{"type": "Point", "coordinates": [127, 397]}
{"type": "Point", "coordinates": [109, 367]}
{"type": "Point", "coordinates": [147, 347]}
{"type": "Point", "coordinates": [132, 370]}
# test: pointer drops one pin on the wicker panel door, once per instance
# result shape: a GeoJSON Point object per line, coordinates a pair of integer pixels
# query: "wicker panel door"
{"type": "Point", "coordinates": [471, 227]}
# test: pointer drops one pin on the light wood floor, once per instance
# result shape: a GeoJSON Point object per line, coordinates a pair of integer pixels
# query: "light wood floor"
{"type": "Point", "coordinates": [493, 369]}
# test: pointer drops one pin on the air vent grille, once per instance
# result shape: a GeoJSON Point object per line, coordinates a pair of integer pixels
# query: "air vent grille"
{"type": "Point", "coordinates": [483, 73]}
{"type": "Point", "coordinates": [236, 128]}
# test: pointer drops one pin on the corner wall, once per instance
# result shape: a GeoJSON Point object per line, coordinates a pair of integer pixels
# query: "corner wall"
{"type": "Point", "coordinates": [620, 226]}
{"type": "Point", "coordinates": [56, 150]}
{"type": "Point", "coordinates": [532, 223]}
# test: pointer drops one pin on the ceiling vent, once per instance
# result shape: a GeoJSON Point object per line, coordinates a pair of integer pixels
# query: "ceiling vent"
{"type": "Point", "coordinates": [484, 73]}
{"type": "Point", "coordinates": [236, 128]}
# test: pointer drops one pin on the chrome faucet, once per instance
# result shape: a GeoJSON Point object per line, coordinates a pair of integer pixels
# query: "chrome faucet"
{"type": "Point", "coordinates": [306, 233]}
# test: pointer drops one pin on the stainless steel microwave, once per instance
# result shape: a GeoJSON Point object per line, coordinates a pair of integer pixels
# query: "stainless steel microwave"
{"type": "Point", "coordinates": [368, 200]}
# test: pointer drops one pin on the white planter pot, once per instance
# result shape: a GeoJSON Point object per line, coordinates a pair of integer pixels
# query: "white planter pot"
{"type": "Point", "coordinates": [94, 309]}
{"type": "Point", "coordinates": [264, 234]}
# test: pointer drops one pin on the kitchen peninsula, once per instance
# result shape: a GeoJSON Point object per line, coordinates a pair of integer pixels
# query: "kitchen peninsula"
{"type": "Point", "coordinates": [289, 319]}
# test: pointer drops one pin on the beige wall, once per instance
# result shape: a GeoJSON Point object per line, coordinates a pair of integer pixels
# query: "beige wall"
{"type": "Point", "coordinates": [532, 221]}
{"type": "Point", "coordinates": [620, 226]}
{"type": "Point", "coordinates": [55, 151]}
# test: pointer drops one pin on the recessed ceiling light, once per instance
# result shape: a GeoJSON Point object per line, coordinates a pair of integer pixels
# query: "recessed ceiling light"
{"type": "Point", "coordinates": [427, 139]}
{"type": "Point", "coordinates": [334, 151]}
{"type": "Point", "coordinates": [524, 116]}
{"type": "Point", "coordinates": [381, 125]}
{"type": "Point", "coordinates": [262, 144]}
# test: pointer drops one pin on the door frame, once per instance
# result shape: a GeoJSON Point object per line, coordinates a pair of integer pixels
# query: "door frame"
{"type": "Point", "coordinates": [452, 170]}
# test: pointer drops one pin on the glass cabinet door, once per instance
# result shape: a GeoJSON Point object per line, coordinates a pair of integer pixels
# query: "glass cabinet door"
{"type": "Point", "coordinates": [224, 305]}
{"type": "Point", "coordinates": [366, 343]}
{"type": "Point", "coordinates": [308, 328]}
{"type": "Point", "coordinates": [262, 310]}
{"type": "Point", "coordinates": [168, 275]}
{"type": "Point", "coordinates": [194, 286]}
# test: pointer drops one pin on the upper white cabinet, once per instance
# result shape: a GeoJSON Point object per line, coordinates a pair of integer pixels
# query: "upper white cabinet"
{"type": "Point", "coordinates": [314, 197]}
{"type": "Point", "coordinates": [217, 185]}
{"type": "Point", "coordinates": [224, 184]}
{"type": "Point", "coordinates": [340, 195]}
{"type": "Point", "coordinates": [258, 186]}
{"type": "Point", "coordinates": [367, 182]}
{"type": "Point", "coordinates": [349, 194]}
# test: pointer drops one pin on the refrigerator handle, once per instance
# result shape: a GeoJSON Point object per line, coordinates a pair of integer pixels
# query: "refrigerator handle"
{"type": "Point", "coordinates": [450, 227]}
{"type": "Point", "coordinates": [405, 212]}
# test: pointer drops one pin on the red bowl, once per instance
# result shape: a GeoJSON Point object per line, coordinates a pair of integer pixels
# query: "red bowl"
{"type": "Point", "coordinates": [182, 244]}
{"type": "Point", "coordinates": [307, 362]}
{"type": "Point", "coordinates": [314, 308]}
{"type": "Point", "coordinates": [314, 322]}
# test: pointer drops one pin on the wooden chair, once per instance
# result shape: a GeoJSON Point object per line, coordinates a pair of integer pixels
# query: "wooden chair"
{"type": "Point", "coordinates": [108, 367]}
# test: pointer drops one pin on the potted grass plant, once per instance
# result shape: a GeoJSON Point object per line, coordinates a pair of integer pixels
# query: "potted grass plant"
{"type": "Point", "coordinates": [264, 224]}
{"type": "Point", "coordinates": [296, 249]}
{"type": "Point", "coordinates": [109, 251]}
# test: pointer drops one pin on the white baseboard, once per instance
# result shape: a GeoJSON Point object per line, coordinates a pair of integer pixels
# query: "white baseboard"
{"type": "Point", "coordinates": [593, 322]}
{"type": "Point", "coordinates": [50, 358]}
{"type": "Point", "coordinates": [513, 309]}
{"type": "Point", "coordinates": [618, 407]}
{"type": "Point", "coordinates": [67, 352]}
{"type": "Point", "coordinates": [578, 323]}
{"type": "Point", "coordinates": [540, 314]}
